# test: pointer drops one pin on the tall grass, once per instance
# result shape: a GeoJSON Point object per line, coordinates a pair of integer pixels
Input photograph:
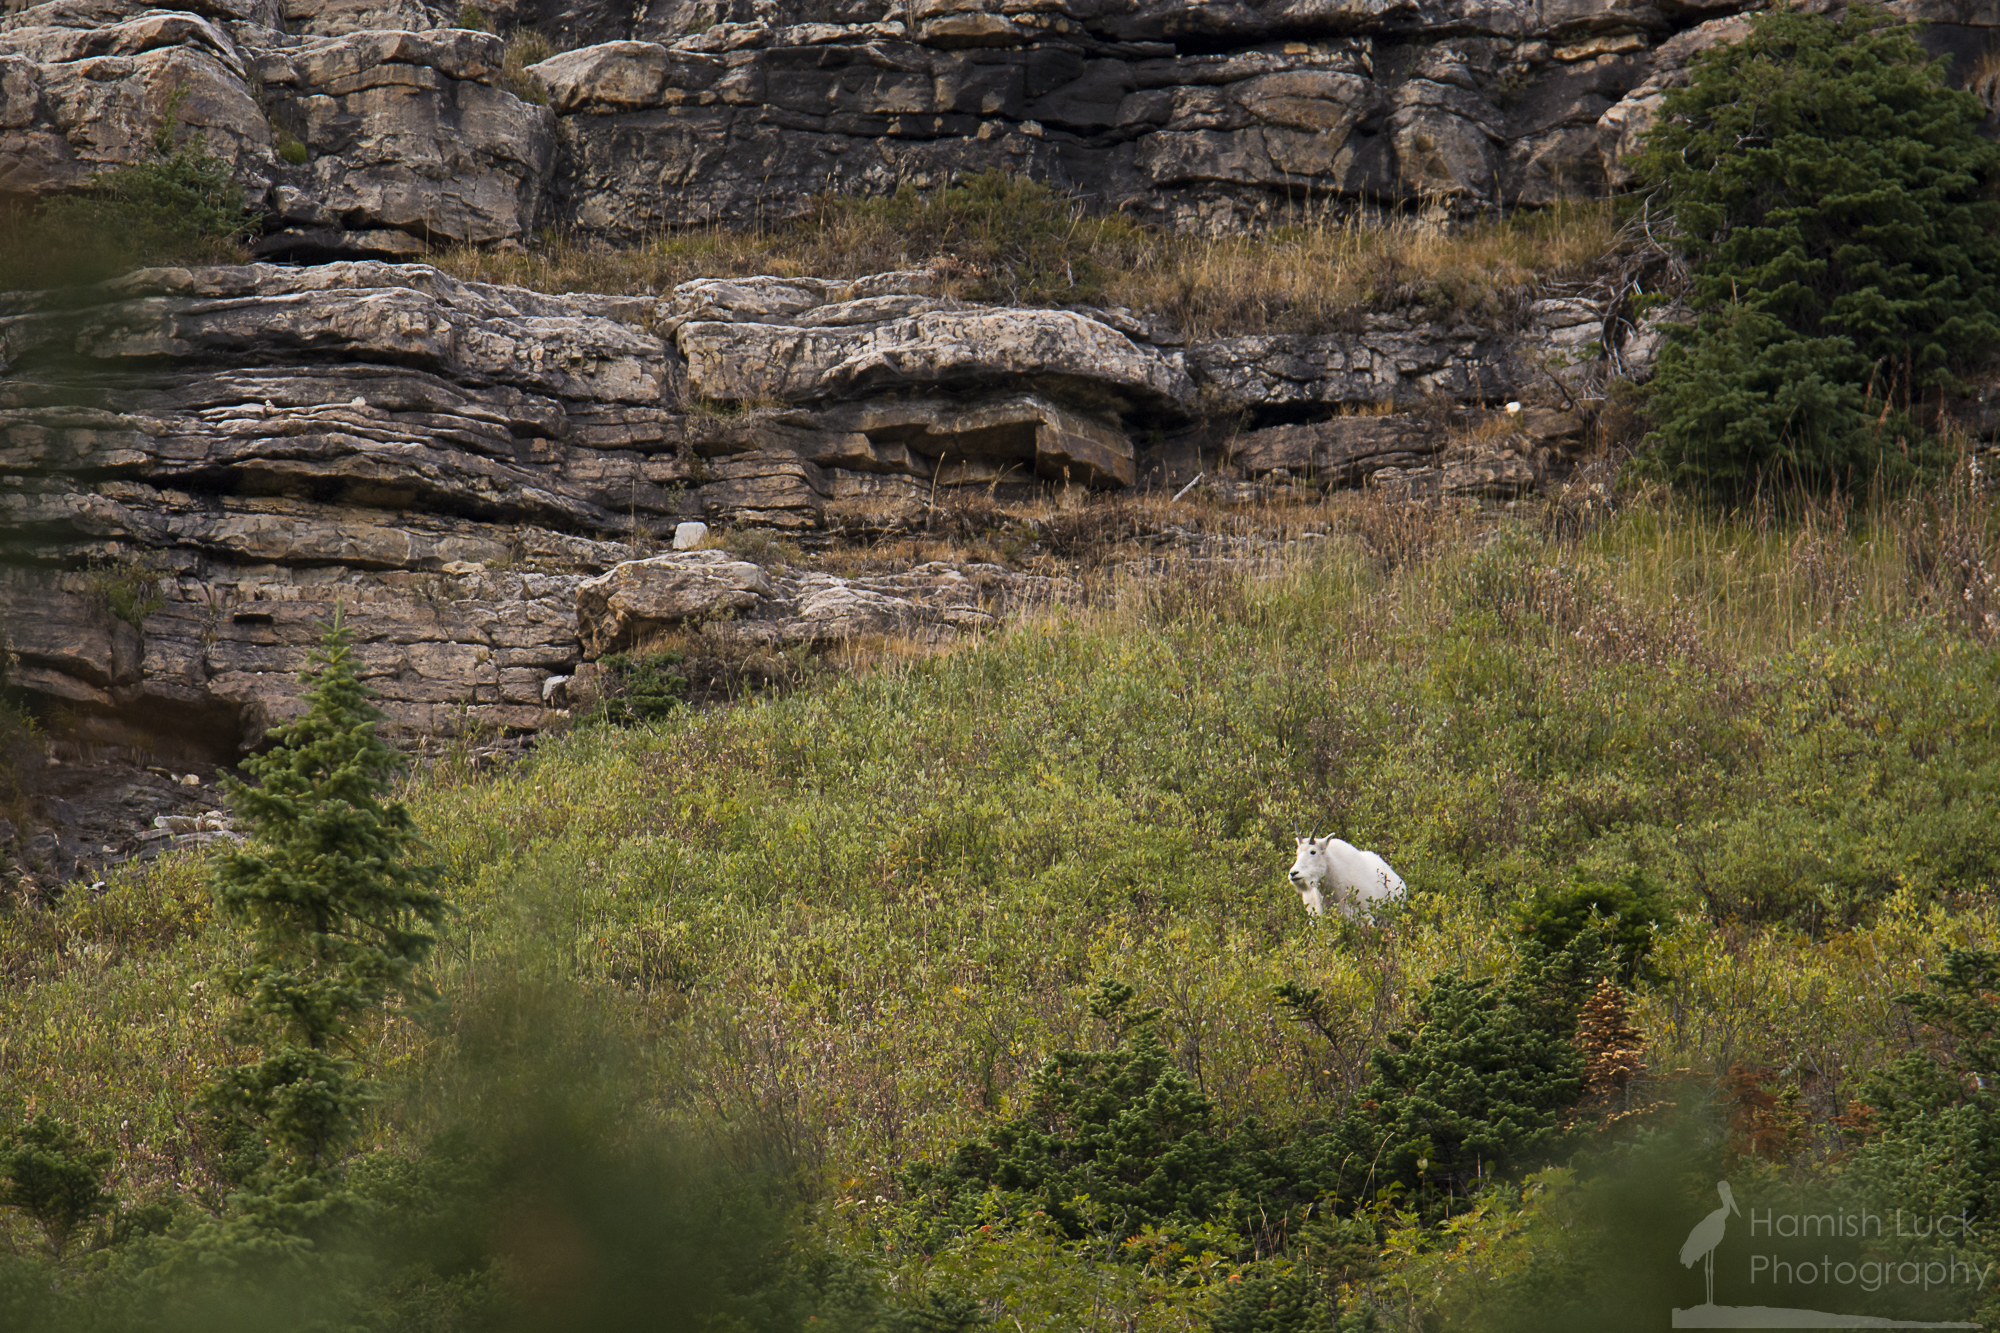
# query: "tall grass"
{"type": "Point", "coordinates": [1002, 239]}
{"type": "Point", "coordinates": [861, 914]}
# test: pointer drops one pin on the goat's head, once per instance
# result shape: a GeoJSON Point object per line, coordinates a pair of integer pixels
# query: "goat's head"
{"type": "Point", "coordinates": [1310, 868]}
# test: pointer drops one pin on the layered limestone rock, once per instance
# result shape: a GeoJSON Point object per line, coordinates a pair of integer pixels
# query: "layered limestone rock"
{"type": "Point", "coordinates": [703, 112]}
{"type": "Point", "coordinates": [673, 136]}
{"type": "Point", "coordinates": [406, 133]}
{"type": "Point", "coordinates": [372, 127]}
{"type": "Point", "coordinates": [198, 465]}
{"type": "Point", "coordinates": [1395, 358]}
{"type": "Point", "coordinates": [85, 87]}
{"type": "Point", "coordinates": [1497, 455]}
{"type": "Point", "coordinates": [727, 599]}
{"type": "Point", "coordinates": [379, 141]}
{"type": "Point", "coordinates": [1206, 116]}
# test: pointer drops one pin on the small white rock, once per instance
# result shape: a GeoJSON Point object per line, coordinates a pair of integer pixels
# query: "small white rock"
{"type": "Point", "coordinates": [191, 780]}
{"type": "Point", "coordinates": [1513, 409]}
{"type": "Point", "coordinates": [687, 536]}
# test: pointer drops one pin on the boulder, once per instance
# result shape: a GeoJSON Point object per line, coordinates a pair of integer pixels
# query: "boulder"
{"type": "Point", "coordinates": [639, 598]}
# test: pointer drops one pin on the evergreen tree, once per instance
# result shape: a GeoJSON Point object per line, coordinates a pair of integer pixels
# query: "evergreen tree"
{"type": "Point", "coordinates": [1933, 1120]}
{"type": "Point", "coordinates": [1827, 189]}
{"type": "Point", "coordinates": [1477, 1084]}
{"type": "Point", "coordinates": [1930, 1125]}
{"type": "Point", "coordinates": [337, 904]}
{"type": "Point", "coordinates": [1632, 911]}
{"type": "Point", "coordinates": [48, 1173]}
{"type": "Point", "coordinates": [1282, 1303]}
{"type": "Point", "coordinates": [1125, 1126]}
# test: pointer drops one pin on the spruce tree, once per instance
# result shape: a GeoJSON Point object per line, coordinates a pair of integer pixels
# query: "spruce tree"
{"type": "Point", "coordinates": [48, 1172]}
{"type": "Point", "coordinates": [337, 902]}
{"type": "Point", "coordinates": [1932, 1125]}
{"type": "Point", "coordinates": [1125, 1126]}
{"type": "Point", "coordinates": [1477, 1085]}
{"type": "Point", "coordinates": [1828, 191]}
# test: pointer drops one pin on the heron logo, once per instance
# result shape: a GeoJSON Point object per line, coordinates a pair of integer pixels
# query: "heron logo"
{"type": "Point", "coordinates": [1797, 1268]}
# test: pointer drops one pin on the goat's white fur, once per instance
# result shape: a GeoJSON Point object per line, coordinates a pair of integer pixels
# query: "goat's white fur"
{"type": "Point", "coordinates": [1355, 876]}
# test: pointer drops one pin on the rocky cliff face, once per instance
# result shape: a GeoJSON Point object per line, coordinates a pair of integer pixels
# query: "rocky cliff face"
{"type": "Point", "coordinates": [195, 465]}
{"type": "Point", "coordinates": [372, 127]}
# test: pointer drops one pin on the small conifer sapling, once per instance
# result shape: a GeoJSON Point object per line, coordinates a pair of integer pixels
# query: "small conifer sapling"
{"type": "Point", "coordinates": [49, 1173]}
{"type": "Point", "coordinates": [338, 904]}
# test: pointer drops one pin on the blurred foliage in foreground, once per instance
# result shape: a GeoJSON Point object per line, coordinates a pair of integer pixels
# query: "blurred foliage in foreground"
{"type": "Point", "coordinates": [181, 206]}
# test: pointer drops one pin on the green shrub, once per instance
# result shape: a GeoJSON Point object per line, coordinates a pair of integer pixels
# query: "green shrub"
{"type": "Point", "coordinates": [48, 1173]}
{"type": "Point", "coordinates": [1632, 912]}
{"type": "Point", "coordinates": [941, 1312]}
{"type": "Point", "coordinates": [1125, 1127]}
{"type": "Point", "coordinates": [184, 205]}
{"type": "Point", "coordinates": [1473, 1088]}
{"type": "Point", "coordinates": [642, 687]}
{"type": "Point", "coordinates": [127, 588]}
{"type": "Point", "coordinates": [1282, 1303]}
{"type": "Point", "coordinates": [1827, 188]}
{"type": "Point", "coordinates": [1932, 1124]}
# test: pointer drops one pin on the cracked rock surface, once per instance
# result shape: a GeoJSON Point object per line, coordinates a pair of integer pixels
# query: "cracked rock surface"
{"type": "Point", "coordinates": [198, 465]}
{"type": "Point", "coordinates": [374, 128]}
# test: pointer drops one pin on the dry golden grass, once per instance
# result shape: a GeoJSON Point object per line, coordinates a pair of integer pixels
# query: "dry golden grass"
{"type": "Point", "coordinates": [1080, 533]}
{"type": "Point", "coordinates": [1020, 243]}
{"type": "Point", "coordinates": [1321, 274]}
{"type": "Point", "coordinates": [525, 48]}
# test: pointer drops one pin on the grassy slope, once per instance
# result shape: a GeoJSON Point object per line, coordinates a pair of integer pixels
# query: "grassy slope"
{"type": "Point", "coordinates": [859, 916]}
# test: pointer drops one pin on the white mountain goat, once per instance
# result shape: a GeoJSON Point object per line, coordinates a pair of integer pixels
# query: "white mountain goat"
{"type": "Point", "coordinates": [1355, 876]}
